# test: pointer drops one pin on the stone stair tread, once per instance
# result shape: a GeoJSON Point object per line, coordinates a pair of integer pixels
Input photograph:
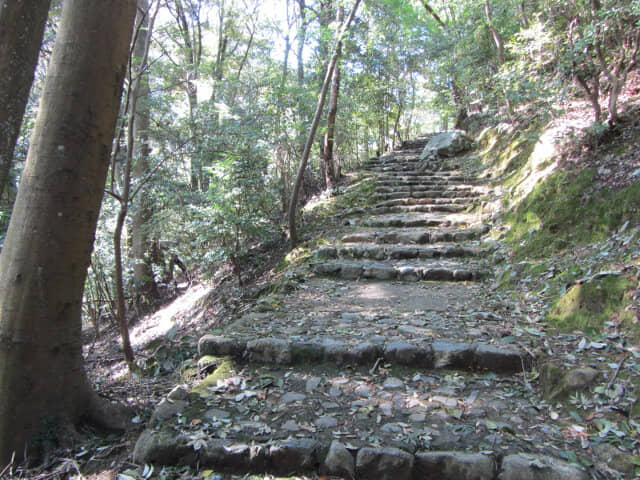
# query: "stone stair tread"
{"type": "Point", "coordinates": [399, 202]}
{"type": "Point", "coordinates": [285, 421]}
{"type": "Point", "coordinates": [435, 219]}
{"type": "Point", "coordinates": [421, 194]}
{"type": "Point", "coordinates": [424, 208]}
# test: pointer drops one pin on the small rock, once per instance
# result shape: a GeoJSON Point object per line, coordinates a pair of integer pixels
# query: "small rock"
{"type": "Point", "coordinates": [335, 391]}
{"type": "Point", "coordinates": [417, 418]}
{"type": "Point", "coordinates": [538, 467]}
{"type": "Point", "coordinates": [387, 409]}
{"type": "Point", "coordinates": [391, 428]}
{"type": "Point", "coordinates": [339, 462]}
{"type": "Point", "coordinates": [291, 397]}
{"type": "Point", "coordinates": [290, 426]}
{"type": "Point", "coordinates": [574, 380]}
{"type": "Point", "coordinates": [167, 409]}
{"type": "Point", "coordinates": [216, 413]}
{"type": "Point", "coordinates": [179, 392]}
{"type": "Point", "coordinates": [393, 383]}
{"type": "Point", "coordinates": [363, 391]}
{"type": "Point", "coordinates": [312, 384]}
{"type": "Point", "coordinates": [384, 464]}
{"type": "Point", "coordinates": [326, 421]}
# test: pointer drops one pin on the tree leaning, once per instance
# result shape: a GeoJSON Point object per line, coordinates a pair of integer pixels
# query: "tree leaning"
{"type": "Point", "coordinates": [46, 254]}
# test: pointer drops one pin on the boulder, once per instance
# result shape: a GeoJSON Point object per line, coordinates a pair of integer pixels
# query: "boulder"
{"type": "Point", "coordinates": [458, 465]}
{"type": "Point", "coordinates": [538, 467]}
{"type": "Point", "coordinates": [384, 464]}
{"type": "Point", "coordinates": [339, 462]}
{"type": "Point", "coordinates": [269, 350]}
{"type": "Point", "coordinates": [163, 448]}
{"type": "Point", "coordinates": [294, 456]}
{"type": "Point", "coordinates": [447, 144]}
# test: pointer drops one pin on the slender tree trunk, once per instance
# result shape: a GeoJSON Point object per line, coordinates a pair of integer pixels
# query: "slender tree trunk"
{"type": "Point", "coordinates": [328, 160]}
{"type": "Point", "coordinates": [21, 29]}
{"type": "Point", "coordinates": [43, 265]}
{"type": "Point", "coordinates": [524, 20]}
{"type": "Point", "coordinates": [497, 39]}
{"type": "Point", "coordinates": [293, 205]}
{"type": "Point", "coordinates": [142, 274]}
{"type": "Point", "coordinates": [302, 38]}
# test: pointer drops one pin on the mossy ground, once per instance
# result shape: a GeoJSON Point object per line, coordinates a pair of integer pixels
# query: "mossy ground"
{"type": "Point", "coordinates": [566, 225]}
{"type": "Point", "coordinates": [566, 211]}
{"type": "Point", "coordinates": [589, 306]}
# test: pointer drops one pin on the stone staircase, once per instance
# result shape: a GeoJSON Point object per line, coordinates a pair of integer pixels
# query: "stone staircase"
{"type": "Point", "coordinates": [417, 204]}
{"type": "Point", "coordinates": [392, 361]}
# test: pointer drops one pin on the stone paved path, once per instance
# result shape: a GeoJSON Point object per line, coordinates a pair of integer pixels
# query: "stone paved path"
{"type": "Point", "coordinates": [393, 360]}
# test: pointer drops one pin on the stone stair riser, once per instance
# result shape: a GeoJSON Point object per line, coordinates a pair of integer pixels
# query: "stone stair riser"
{"type": "Point", "coordinates": [356, 271]}
{"type": "Point", "coordinates": [425, 356]}
{"type": "Point", "coordinates": [399, 253]}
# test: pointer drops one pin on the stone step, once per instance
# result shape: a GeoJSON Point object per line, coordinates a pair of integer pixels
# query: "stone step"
{"type": "Point", "coordinates": [466, 201]}
{"type": "Point", "coordinates": [419, 220]}
{"type": "Point", "coordinates": [415, 236]}
{"type": "Point", "coordinates": [263, 419]}
{"type": "Point", "coordinates": [404, 270]}
{"type": "Point", "coordinates": [433, 182]}
{"type": "Point", "coordinates": [417, 178]}
{"type": "Point", "coordinates": [373, 251]}
{"type": "Point", "coordinates": [434, 208]}
{"type": "Point", "coordinates": [417, 143]}
{"type": "Point", "coordinates": [421, 171]}
{"type": "Point", "coordinates": [416, 355]}
{"type": "Point", "coordinates": [437, 188]}
{"type": "Point", "coordinates": [429, 193]}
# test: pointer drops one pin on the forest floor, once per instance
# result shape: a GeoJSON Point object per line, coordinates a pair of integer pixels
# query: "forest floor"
{"type": "Point", "coordinates": [485, 402]}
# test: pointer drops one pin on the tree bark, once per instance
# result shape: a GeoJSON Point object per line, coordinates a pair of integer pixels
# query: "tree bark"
{"type": "Point", "coordinates": [293, 205]}
{"type": "Point", "coordinates": [46, 254]}
{"type": "Point", "coordinates": [21, 29]}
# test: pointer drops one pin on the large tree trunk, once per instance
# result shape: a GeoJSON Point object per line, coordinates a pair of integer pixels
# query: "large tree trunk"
{"type": "Point", "coordinates": [44, 261]}
{"type": "Point", "coordinates": [21, 29]}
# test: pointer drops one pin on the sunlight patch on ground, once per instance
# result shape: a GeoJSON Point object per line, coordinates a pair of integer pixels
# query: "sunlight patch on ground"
{"type": "Point", "coordinates": [183, 309]}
